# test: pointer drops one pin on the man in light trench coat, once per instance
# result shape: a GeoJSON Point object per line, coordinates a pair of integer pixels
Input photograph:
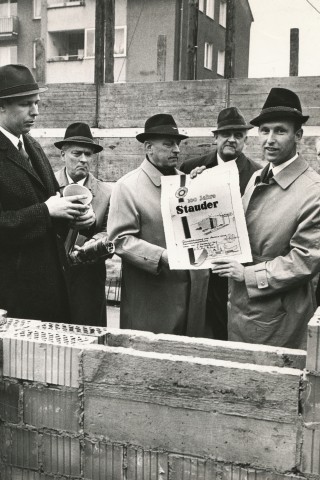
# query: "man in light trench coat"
{"type": "Point", "coordinates": [272, 300]}
{"type": "Point", "coordinates": [153, 297]}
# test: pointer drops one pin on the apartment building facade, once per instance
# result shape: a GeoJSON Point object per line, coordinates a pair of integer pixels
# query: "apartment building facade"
{"type": "Point", "coordinates": [56, 39]}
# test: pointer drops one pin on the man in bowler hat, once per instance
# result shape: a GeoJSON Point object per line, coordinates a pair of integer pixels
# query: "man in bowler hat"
{"type": "Point", "coordinates": [230, 136]}
{"type": "Point", "coordinates": [86, 281]}
{"type": "Point", "coordinates": [33, 216]}
{"type": "Point", "coordinates": [272, 299]}
{"type": "Point", "coordinates": [153, 297]}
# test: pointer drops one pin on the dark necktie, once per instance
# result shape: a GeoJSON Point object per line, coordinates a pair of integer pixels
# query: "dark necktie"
{"type": "Point", "coordinates": [269, 175]}
{"type": "Point", "coordinates": [23, 153]}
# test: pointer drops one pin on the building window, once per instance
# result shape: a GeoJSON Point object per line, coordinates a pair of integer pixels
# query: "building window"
{"type": "Point", "coordinates": [201, 5]}
{"type": "Point", "coordinates": [210, 8]}
{"type": "Point", "coordinates": [34, 54]}
{"type": "Point", "coordinates": [64, 3]}
{"type": "Point", "coordinates": [221, 60]}
{"type": "Point", "coordinates": [8, 55]}
{"type": "Point", "coordinates": [120, 42]}
{"type": "Point", "coordinates": [223, 13]}
{"type": "Point", "coordinates": [8, 8]}
{"type": "Point", "coordinates": [36, 8]}
{"type": "Point", "coordinates": [89, 44]}
{"type": "Point", "coordinates": [67, 45]}
{"type": "Point", "coordinates": [208, 51]}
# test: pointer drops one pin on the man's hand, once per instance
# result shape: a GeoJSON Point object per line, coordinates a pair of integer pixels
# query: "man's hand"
{"type": "Point", "coordinates": [196, 171]}
{"type": "Point", "coordinates": [164, 259]}
{"type": "Point", "coordinates": [228, 268]}
{"type": "Point", "coordinates": [66, 207]}
{"type": "Point", "coordinates": [85, 220]}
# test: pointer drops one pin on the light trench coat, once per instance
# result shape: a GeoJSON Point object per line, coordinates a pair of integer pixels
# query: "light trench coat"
{"type": "Point", "coordinates": [275, 302]}
{"type": "Point", "coordinates": [153, 298]}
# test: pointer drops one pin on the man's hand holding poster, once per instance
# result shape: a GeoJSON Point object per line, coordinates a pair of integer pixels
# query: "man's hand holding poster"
{"type": "Point", "coordinates": [204, 219]}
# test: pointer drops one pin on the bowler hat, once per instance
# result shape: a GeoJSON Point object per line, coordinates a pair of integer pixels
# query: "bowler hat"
{"type": "Point", "coordinates": [161, 124]}
{"type": "Point", "coordinates": [231, 119]}
{"type": "Point", "coordinates": [280, 103]}
{"type": "Point", "coordinates": [18, 81]}
{"type": "Point", "coordinates": [79, 133]}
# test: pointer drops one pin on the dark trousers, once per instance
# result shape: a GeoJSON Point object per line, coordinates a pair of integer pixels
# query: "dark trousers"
{"type": "Point", "coordinates": [216, 309]}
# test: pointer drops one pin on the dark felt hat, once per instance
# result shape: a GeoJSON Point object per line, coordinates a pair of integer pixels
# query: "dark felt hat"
{"type": "Point", "coordinates": [280, 103]}
{"type": "Point", "coordinates": [18, 81]}
{"type": "Point", "coordinates": [231, 119]}
{"type": "Point", "coordinates": [79, 133]}
{"type": "Point", "coordinates": [161, 124]}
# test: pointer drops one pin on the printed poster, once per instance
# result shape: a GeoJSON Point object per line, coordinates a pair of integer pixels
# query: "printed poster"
{"type": "Point", "coordinates": [204, 218]}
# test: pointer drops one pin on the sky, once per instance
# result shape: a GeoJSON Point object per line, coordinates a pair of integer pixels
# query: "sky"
{"type": "Point", "coordinates": [270, 37]}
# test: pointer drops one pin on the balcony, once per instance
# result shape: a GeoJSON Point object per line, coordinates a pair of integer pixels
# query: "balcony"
{"type": "Point", "coordinates": [9, 28]}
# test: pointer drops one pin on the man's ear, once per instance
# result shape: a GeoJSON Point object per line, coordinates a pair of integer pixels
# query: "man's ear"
{"type": "Point", "coordinates": [299, 134]}
{"type": "Point", "coordinates": [148, 146]}
{"type": "Point", "coordinates": [246, 139]}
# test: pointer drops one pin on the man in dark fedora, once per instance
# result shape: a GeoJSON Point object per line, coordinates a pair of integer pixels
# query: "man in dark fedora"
{"type": "Point", "coordinates": [230, 136]}
{"type": "Point", "coordinates": [87, 281]}
{"type": "Point", "coordinates": [33, 216]}
{"type": "Point", "coordinates": [153, 297]}
{"type": "Point", "coordinates": [272, 299]}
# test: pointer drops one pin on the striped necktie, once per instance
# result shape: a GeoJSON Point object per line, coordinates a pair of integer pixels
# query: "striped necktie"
{"type": "Point", "coordinates": [23, 153]}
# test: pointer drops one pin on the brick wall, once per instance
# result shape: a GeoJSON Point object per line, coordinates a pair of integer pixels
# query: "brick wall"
{"type": "Point", "coordinates": [142, 406]}
{"type": "Point", "coordinates": [123, 109]}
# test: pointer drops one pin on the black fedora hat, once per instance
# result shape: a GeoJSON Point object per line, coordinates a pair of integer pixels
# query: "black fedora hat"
{"type": "Point", "coordinates": [280, 103]}
{"type": "Point", "coordinates": [161, 124]}
{"type": "Point", "coordinates": [18, 81]}
{"type": "Point", "coordinates": [79, 133]}
{"type": "Point", "coordinates": [231, 119]}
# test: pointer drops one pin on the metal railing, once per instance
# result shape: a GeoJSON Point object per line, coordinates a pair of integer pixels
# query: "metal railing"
{"type": "Point", "coordinates": [9, 26]}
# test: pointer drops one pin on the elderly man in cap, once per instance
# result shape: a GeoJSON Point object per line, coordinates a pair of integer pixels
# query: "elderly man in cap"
{"type": "Point", "coordinates": [272, 300]}
{"type": "Point", "coordinates": [33, 216]}
{"type": "Point", "coordinates": [230, 136]}
{"type": "Point", "coordinates": [87, 281]}
{"type": "Point", "coordinates": [153, 297]}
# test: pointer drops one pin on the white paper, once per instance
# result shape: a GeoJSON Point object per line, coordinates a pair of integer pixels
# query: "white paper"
{"type": "Point", "coordinates": [204, 218]}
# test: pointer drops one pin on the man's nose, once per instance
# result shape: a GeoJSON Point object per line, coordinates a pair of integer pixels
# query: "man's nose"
{"type": "Point", "coordinates": [232, 138]}
{"type": "Point", "coordinates": [34, 110]}
{"type": "Point", "coordinates": [83, 158]}
{"type": "Point", "coordinates": [176, 148]}
{"type": "Point", "coordinates": [270, 137]}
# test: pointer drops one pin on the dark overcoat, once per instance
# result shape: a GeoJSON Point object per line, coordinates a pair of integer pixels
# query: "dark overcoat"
{"type": "Point", "coordinates": [32, 260]}
{"type": "Point", "coordinates": [87, 282]}
{"type": "Point", "coordinates": [217, 298]}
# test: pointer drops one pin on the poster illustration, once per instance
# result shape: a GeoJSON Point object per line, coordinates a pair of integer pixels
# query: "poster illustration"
{"type": "Point", "coordinates": [204, 218]}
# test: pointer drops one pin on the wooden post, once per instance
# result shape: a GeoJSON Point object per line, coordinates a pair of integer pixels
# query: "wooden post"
{"type": "Point", "coordinates": [161, 57]}
{"type": "Point", "coordinates": [99, 43]}
{"type": "Point", "coordinates": [109, 37]}
{"type": "Point", "coordinates": [229, 51]}
{"type": "Point", "coordinates": [294, 52]}
{"type": "Point", "coordinates": [192, 39]}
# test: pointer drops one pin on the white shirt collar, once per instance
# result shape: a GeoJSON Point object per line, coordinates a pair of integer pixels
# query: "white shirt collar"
{"type": "Point", "coordinates": [221, 161]}
{"type": "Point", "coordinates": [13, 139]}
{"type": "Point", "coordinates": [277, 168]}
{"type": "Point", "coordinates": [80, 182]}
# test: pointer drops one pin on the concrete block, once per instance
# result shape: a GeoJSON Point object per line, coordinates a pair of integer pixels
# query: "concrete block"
{"type": "Point", "coordinates": [13, 473]}
{"type": "Point", "coordinates": [311, 451]}
{"type": "Point", "coordinates": [54, 408]}
{"type": "Point", "coordinates": [313, 343]}
{"type": "Point", "coordinates": [99, 333]}
{"type": "Point", "coordinates": [146, 464]}
{"type": "Point", "coordinates": [192, 468]}
{"type": "Point", "coordinates": [43, 356]}
{"type": "Point", "coordinates": [61, 455]}
{"type": "Point", "coordinates": [9, 402]}
{"type": "Point", "coordinates": [103, 461]}
{"type": "Point", "coordinates": [19, 447]}
{"type": "Point", "coordinates": [310, 401]}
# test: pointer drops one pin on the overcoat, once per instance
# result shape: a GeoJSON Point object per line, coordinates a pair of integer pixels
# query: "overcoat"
{"type": "Point", "coordinates": [87, 282]}
{"type": "Point", "coordinates": [153, 298]}
{"type": "Point", "coordinates": [275, 302]}
{"type": "Point", "coordinates": [32, 259]}
{"type": "Point", "coordinates": [217, 288]}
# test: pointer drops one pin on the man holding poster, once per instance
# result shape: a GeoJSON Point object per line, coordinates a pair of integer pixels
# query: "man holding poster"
{"type": "Point", "coordinates": [272, 300]}
{"type": "Point", "coordinates": [153, 297]}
